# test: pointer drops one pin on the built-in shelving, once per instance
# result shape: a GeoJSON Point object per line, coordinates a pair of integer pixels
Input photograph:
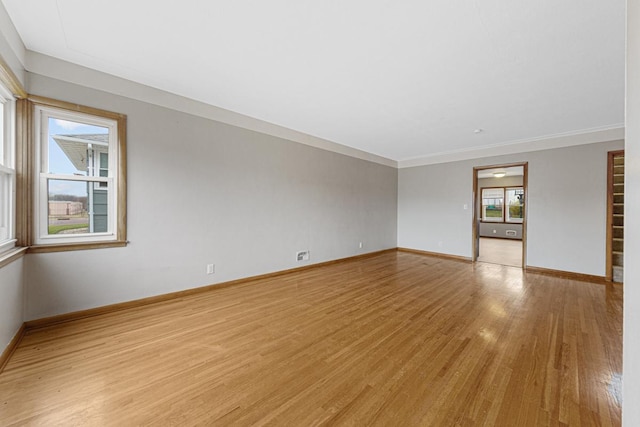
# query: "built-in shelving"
{"type": "Point", "coordinates": [617, 222]}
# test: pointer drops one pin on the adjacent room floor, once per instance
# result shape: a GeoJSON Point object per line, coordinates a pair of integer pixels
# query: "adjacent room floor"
{"type": "Point", "coordinates": [395, 339]}
{"type": "Point", "coordinates": [501, 251]}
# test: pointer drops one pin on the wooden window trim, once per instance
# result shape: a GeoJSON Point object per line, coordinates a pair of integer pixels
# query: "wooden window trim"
{"type": "Point", "coordinates": [64, 247]}
{"type": "Point", "coordinates": [10, 81]}
{"type": "Point", "coordinates": [26, 187]}
{"type": "Point", "coordinates": [11, 90]}
{"type": "Point", "coordinates": [11, 255]}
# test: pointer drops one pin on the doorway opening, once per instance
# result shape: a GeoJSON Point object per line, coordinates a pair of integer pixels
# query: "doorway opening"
{"type": "Point", "coordinates": [499, 214]}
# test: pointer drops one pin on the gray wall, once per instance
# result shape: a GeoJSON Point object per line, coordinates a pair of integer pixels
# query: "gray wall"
{"type": "Point", "coordinates": [566, 211]}
{"type": "Point", "coordinates": [631, 328]}
{"type": "Point", "coordinates": [499, 229]}
{"type": "Point", "coordinates": [495, 229]}
{"type": "Point", "coordinates": [507, 181]}
{"type": "Point", "coordinates": [201, 192]}
{"type": "Point", "coordinates": [11, 301]}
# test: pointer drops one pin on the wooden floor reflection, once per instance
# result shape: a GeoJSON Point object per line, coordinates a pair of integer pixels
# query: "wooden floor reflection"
{"type": "Point", "coordinates": [394, 339]}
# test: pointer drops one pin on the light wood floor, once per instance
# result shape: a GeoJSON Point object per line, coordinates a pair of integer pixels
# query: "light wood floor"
{"type": "Point", "coordinates": [397, 339]}
{"type": "Point", "coordinates": [501, 251]}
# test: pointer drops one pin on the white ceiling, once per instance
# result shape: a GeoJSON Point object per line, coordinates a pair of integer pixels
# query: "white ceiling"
{"type": "Point", "coordinates": [400, 79]}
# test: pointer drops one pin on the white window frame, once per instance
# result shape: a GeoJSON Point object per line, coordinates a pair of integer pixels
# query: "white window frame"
{"type": "Point", "coordinates": [8, 171]}
{"type": "Point", "coordinates": [42, 114]}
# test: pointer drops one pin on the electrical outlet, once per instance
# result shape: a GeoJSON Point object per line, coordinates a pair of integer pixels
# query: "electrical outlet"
{"type": "Point", "coordinates": [211, 268]}
{"type": "Point", "coordinates": [440, 244]}
{"type": "Point", "coordinates": [495, 231]}
{"type": "Point", "coordinates": [360, 245]}
{"type": "Point", "coordinates": [302, 256]}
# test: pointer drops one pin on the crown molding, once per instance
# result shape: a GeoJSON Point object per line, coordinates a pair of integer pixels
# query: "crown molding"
{"type": "Point", "coordinates": [62, 70]}
{"type": "Point", "coordinates": [548, 142]}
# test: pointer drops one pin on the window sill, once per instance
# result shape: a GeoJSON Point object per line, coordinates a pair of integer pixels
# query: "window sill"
{"type": "Point", "coordinates": [76, 246]}
{"type": "Point", "coordinates": [11, 255]}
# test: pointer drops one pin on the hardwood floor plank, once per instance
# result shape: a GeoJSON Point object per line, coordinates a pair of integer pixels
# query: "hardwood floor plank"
{"type": "Point", "coordinates": [392, 339]}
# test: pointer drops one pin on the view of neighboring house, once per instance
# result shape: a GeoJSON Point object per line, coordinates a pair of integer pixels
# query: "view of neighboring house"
{"type": "Point", "coordinates": [89, 155]}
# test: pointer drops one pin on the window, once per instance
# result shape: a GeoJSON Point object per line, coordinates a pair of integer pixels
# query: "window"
{"type": "Point", "coordinates": [503, 204]}
{"type": "Point", "coordinates": [7, 170]}
{"type": "Point", "coordinates": [515, 204]}
{"type": "Point", "coordinates": [79, 176]}
{"type": "Point", "coordinates": [492, 204]}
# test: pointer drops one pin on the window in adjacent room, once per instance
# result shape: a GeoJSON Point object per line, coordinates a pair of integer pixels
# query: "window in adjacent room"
{"type": "Point", "coordinates": [515, 204]}
{"type": "Point", "coordinates": [7, 170]}
{"type": "Point", "coordinates": [492, 204]}
{"type": "Point", "coordinates": [79, 196]}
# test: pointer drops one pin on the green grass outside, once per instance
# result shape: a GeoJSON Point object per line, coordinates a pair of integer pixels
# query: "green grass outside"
{"type": "Point", "coordinates": [55, 229]}
{"type": "Point", "coordinates": [515, 211]}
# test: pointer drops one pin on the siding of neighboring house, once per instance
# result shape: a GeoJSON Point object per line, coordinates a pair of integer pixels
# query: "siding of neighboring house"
{"type": "Point", "coordinates": [100, 209]}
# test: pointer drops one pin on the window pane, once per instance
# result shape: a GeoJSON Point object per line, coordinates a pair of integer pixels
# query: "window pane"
{"type": "Point", "coordinates": [5, 192]}
{"type": "Point", "coordinates": [104, 164]}
{"type": "Point", "coordinates": [76, 207]}
{"type": "Point", "coordinates": [103, 168]}
{"type": "Point", "coordinates": [492, 193]}
{"type": "Point", "coordinates": [515, 203]}
{"type": "Point", "coordinates": [73, 147]}
{"type": "Point", "coordinates": [492, 204]}
{"type": "Point", "coordinates": [2, 142]}
{"type": "Point", "coordinates": [4, 196]}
